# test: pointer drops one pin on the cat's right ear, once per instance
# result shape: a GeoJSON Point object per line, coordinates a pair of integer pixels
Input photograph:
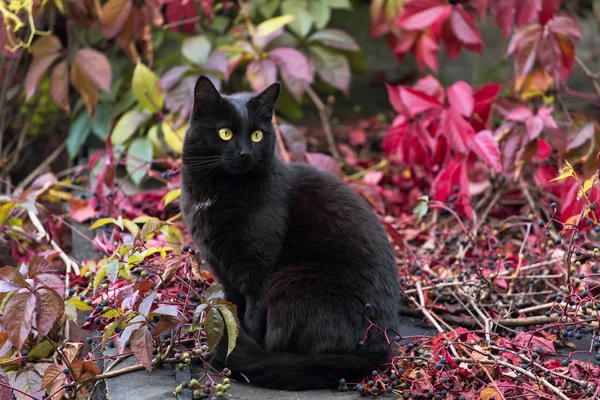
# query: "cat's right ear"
{"type": "Point", "coordinates": [206, 94]}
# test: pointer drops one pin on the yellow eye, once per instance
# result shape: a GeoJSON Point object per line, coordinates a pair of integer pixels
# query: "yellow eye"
{"type": "Point", "coordinates": [225, 133]}
{"type": "Point", "coordinates": [257, 136]}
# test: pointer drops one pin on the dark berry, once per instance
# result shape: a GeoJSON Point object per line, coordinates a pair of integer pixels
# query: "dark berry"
{"type": "Point", "coordinates": [554, 205]}
{"type": "Point", "coordinates": [185, 248]}
{"type": "Point", "coordinates": [111, 343]}
{"type": "Point", "coordinates": [88, 340]}
{"type": "Point", "coordinates": [439, 366]}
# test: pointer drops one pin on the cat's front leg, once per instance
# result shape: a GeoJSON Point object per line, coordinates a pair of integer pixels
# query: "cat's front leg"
{"type": "Point", "coordinates": [255, 316]}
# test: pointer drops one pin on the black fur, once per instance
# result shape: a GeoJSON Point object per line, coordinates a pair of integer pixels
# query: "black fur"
{"type": "Point", "coordinates": [297, 250]}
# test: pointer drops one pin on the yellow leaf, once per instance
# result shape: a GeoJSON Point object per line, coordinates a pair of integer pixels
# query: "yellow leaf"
{"type": "Point", "coordinates": [5, 210]}
{"type": "Point", "coordinates": [158, 147]}
{"type": "Point", "coordinates": [131, 227]}
{"type": "Point", "coordinates": [143, 219]}
{"type": "Point", "coordinates": [174, 137]}
{"type": "Point", "coordinates": [271, 25]}
{"type": "Point", "coordinates": [172, 195]}
{"type": "Point", "coordinates": [487, 393]}
{"type": "Point", "coordinates": [587, 185]}
{"type": "Point", "coordinates": [572, 221]}
{"type": "Point", "coordinates": [173, 235]}
{"type": "Point", "coordinates": [79, 304]}
{"type": "Point", "coordinates": [111, 314]}
{"type": "Point", "coordinates": [147, 89]}
{"type": "Point", "coordinates": [102, 222]}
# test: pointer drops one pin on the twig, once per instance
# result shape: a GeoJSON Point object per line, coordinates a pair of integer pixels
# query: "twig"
{"type": "Point", "coordinates": [284, 153]}
{"type": "Point", "coordinates": [42, 166]}
{"type": "Point", "coordinates": [325, 122]}
{"type": "Point", "coordinates": [593, 76]}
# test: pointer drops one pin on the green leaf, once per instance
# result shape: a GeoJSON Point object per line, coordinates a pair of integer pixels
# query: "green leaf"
{"type": "Point", "coordinates": [215, 291]}
{"type": "Point", "coordinates": [127, 125]}
{"type": "Point", "coordinates": [214, 327]}
{"type": "Point", "coordinates": [147, 89]}
{"type": "Point", "coordinates": [100, 274]}
{"type": "Point", "coordinates": [421, 209]}
{"type": "Point", "coordinates": [320, 12]}
{"type": "Point", "coordinates": [102, 121]}
{"type": "Point", "coordinates": [198, 311]}
{"type": "Point", "coordinates": [151, 226]}
{"type": "Point", "coordinates": [42, 350]}
{"type": "Point", "coordinates": [342, 4]}
{"type": "Point", "coordinates": [109, 330]}
{"type": "Point", "coordinates": [5, 210]}
{"type": "Point", "coordinates": [139, 155]}
{"type": "Point", "coordinates": [272, 25]}
{"type": "Point", "coordinates": [332, 67]}
{"type": "Point", "coordinates": [268, 8]}
{"type": "Point", "coordinates": [233, 325]}
{"type": "Point", "coordinates": [78, 134]}
{"type": "Point", "coordinates": [336, 39]}
{"type": "Point", "coordinates": [196, 49]}
{"type": "Point", "coordinates": [112, 270]}
{"type": "Point", "coordinates": [301, 26]}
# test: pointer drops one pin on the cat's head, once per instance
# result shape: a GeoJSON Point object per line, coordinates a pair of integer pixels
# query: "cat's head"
{"type": "Point", "coordinates": [230, 134]}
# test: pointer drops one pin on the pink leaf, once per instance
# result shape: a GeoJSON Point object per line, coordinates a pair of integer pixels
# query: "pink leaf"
{"type": "Point", "coordinates": [486, 147]}
{"type": "Point", "coordinates": [426, 51]}
{"type": "Point", "coordinates": [464, 28]}
{"type": "Point", "coordinates": [417, 102]}
{"type": "Point", "coordinates": [534, 126]}
{"type": "Point", "coordinates": [519, 114]}
{"type": "Point", "coordinates": [141, 345]}
{"type": "Point", "coordinates": [430, 86]}
{"type": "Point", "coordinates": [545, 113]}
{"type": "Point", "coordinates": [50, 307]}
{"type": "Point", "coordinates": [425, 18]}
{"type": "Point", "coordinates": [458, 131]}
{"type": "Point", "coordinates": [460, 96]}
{"type": "Point", "coordinates": [582, 136]}
{"type": "Point", "coordinates": [324, 163]}
{"type": "Point", "coordinates": [395, 100]}
{"type": "Point", "coordinates": [217, 61]}
{"type": "Point", "coordinates": [292, 62]}
{"type": "Point", "coordinates": [566, 25]}
{"type": "Point", "coordinates": [19, 313]}
{"type": "Point", "coordinates": [261, 74]}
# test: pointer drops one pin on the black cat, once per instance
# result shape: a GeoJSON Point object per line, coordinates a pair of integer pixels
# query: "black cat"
{"type": "Point", "coordinates": [298, 251]}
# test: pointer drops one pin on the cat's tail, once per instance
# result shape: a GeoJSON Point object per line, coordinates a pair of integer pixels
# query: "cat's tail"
{"type": "Point", "coordinates": [294, 371]}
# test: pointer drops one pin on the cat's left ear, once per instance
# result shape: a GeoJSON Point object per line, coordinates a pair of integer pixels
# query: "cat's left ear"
{"type": "Point", "coordinates": [206, 94]}
{"type": "Point", "coordinates": [267, 98]}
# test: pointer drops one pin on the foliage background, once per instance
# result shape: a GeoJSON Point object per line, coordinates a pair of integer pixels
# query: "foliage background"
{"type": "Point", "coordinates": [451, 118]}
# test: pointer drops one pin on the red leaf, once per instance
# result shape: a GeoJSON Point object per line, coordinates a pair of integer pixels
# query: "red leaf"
{"type": "Point", "coordinates": [524, 44]}
{"type": "Point", "coordinates": [141, 345]}
{"type": "Point", "coordinates": [261, 74]}
{"type": "Point", "coordinates": [18, 317]}
{"type": "Point", "coordinates": [460, 97]}
{"type": "Point", "coordinates": [458, 131]}
{"type": "Point", "coordinates": [454, 175]}
{"type": "Point", "coordinates": [81, 210]}
{"type": "Point", "coordinates": [45, 51]}
{"type": "Point", "coordinates": [179, 11]}
{"type": "Point", "coordinates": [426, 51]}
{"type": "Point", "coordinates": [549, 9]}
{"type": "Point", "coordinates": [527, 340]}
{"type": "Point", "coordinates": [324, 163]}
{"type": "Point", "coordinates": [292, 62]}
{"type": "Point", "coordinates": [430, 86]}
{"type": "Point", "coordinates": [486, 147]}
{"type": "Point", "coordinates": [417, 102]}
{"type": "Point", "coordinates": [424, 18]}
{"type": "Point", "coordinates": [5, 390]}
{"type": "Point", "coordinates": [464, 27]}
{"type": "Point", "coordinates": [11, 279]}
{"type": "Point", "coordinates": [113, 16]}
{"type": "Point", "coordinates": [394, 136]}
{"type": "Point", "coordinates": [566, 25]}
{"type": "Point", "coordinates": [95, 66]}
{"type": "Point", "coordinates": [50, 307]}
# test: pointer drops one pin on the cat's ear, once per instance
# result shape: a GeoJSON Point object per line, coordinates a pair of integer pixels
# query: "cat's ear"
{"type": "Point", "coordinates": [206, 94]}
{"type": "Point", "coordinates": [266, 99]}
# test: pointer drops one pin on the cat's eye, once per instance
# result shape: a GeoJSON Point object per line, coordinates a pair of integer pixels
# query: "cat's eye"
{"type": "Point", "coordinates": [257, 136]}
{"type": "Point", "coordinates": [225, 133]}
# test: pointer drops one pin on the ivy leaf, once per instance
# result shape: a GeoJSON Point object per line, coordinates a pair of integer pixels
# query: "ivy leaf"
{"type": "Point", "coordinates": [233, 326]}
{"type": "Point", "coordinates": [127, 125]}
{"type": "Point", "coordinates": [46, 50]}
{"type": "Point", "coordinates": [50, 375]}
{"type": "Point", "coordinates": [96, 67]}
{"type": "Point", "coordinates": [108, 332]}
{"type": "Point", "coordinates": [214, 327]}
{"type": "Point", "coordinates": [141, 345]}
{"type": "Point", "coordinates": [271, 28]}
{"type": "Point", "coordinates": [30, 382]}
{"type": "Point", "coordinates": [172, 195]}
{"type": "Point", "coordinates": [303, 22]}
{"type": "Point", "coordinates": [112, 270]}
{"type": "Point", "coordinates": [486, 147]}
{"type": "Point", "coordinates": [421, 209]}
{"type": "Point", "coordinates": [166, 310]}
{"type": "Point", "coordinates": [460, 96]}
{"type": "Point", "coordinates": [320, 13]}
{"type": "Point", "coordinates": [151, 226]}
{"type": "Point", "coordinates": [292, 62]}
{"type": "Point", "coordinates": [336, 39]}
{"type": "Point", "coordinates": [102, 121]}
{"type": "Point", "coordinates": [174, 137]}
{"type": "Point", "coordinates": [5, 210]}
{"type": "Point", "coordinates": [147, 89]}
{"type": "Point", "coordinates": [196, 49]}
{"type": "Point", "coordinates": [113, 17]}
{"type": "Point", "coordinates": [146, 304]}
{"type": "Point", "coordinates": [18, 317]}
{"type": "Point", "coordinates": [261, 74]}
{"type": "Point", "coordinates": [139, 155]}
{"type": "Point", "coordinates": [11, 279]}
{"type": "Point", "coordinates": [42, 349]}
{"type": "Point", "coordinates": [215, 291]}
{"type": "Point", "coordinates": [339, 4]}
{"type": "Point", "coordinates": [59, 85]}
{"type": "Point", "coordinates": [198, 311]}
{"type": "Point", "coordinates": [49, 307]}
{"type": "Point", "coordinates": [79, 133]}
{"type": "Point", "coordinates": [333, 68]}
{"type": "Point", "coordinates": [5, 390]}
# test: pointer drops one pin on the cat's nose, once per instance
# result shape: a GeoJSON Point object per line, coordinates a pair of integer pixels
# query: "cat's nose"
{"type": "Point", "coordinates": [245, 154]}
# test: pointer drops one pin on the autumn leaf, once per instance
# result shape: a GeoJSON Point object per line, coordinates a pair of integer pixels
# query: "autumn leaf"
{"type": "Point", "coordinates": [59, 85]}
{"type": "Point", "coordinates": [49, 307]}
{"type": "Point", "coordinates": [50, 375]}
{"type": "Point", "coordinates": [18, 317]}
{"type": "Point", "coordinates": [232, 323]}
{"type": "Point", "coordinates": [127, 125]}
{"type": "Point", "coordinates": [113, 16]}
{"type": "Point", "coordinates": [46, 50]}
{"type": "Point", "coordinates": [261, 74]}
{"type": "Point", "coordinates": [141, 345]}
{"type": "Point", "coordinates": [171, 195]}
{"type": "Point", "coordinates": [335, 38]}
{"type": "Point", "coordinates": [486, 147]}
{"type": "Point", "coordinates": [332, 67]}
{"type": "Point", "coordinates": [147, 89]}
{"type": "Point", "coordinates": [214, 326]}
{"type": "Point", "coordinates": [460, 96]}
{"type": "Point", "coordinates": [85, 86]}
{"type": "Point", "coordinates": [11, 279]}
